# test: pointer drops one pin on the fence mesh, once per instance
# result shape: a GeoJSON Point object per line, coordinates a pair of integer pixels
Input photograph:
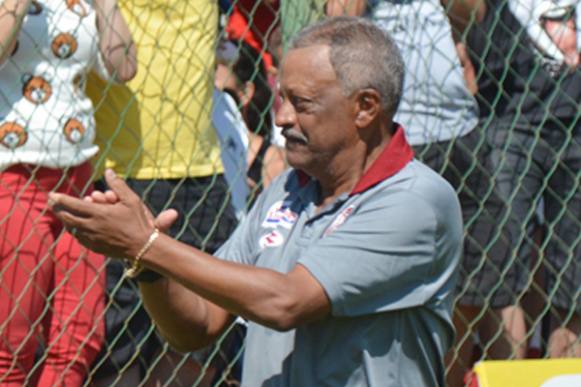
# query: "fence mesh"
{"type": "Point", "coordinates": [178, 140]}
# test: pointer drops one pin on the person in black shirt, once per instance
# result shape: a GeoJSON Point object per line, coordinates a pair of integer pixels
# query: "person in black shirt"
{"type": "Point", "coordinates": [529, 104]}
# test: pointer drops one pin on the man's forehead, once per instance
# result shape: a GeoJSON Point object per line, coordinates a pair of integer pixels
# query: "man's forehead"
{"type": "Point", "coordinates": [311, 62]}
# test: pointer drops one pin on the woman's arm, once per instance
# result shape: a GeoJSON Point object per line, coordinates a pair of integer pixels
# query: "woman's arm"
{"type": "Point", "coordinates": [12, 13]}
{"type": "Point", "coordinates": [115, 43]}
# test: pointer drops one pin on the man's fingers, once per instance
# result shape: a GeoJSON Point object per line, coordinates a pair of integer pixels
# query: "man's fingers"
{"type": "Point", "coordinates": [119, 187]}
{"type": "Point", "coordinates": [98, 197]}
{"type": "Point", "coordinates": [166, 219]}
{"type": "Point", "coordinates": [61, 202]}
{"type": "Point", "coordinates": [107, 197]}
{"type": "Point", "coordinates": [80, 228]}
{"type": "Point", "coordinates": [72, 222]}
{"type": "Point", "coordinates": [111, 197]}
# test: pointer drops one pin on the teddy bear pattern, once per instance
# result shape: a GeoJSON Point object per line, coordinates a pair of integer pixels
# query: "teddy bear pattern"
{"type": "Point", "coordinates": [37, 88]}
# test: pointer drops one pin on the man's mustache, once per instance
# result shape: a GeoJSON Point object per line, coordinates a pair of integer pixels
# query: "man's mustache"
{"type": "Point", "coordinates": [292, 134]}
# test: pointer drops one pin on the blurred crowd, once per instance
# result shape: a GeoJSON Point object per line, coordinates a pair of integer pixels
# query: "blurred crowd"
{"type": "Point", "coordinates": [179, 98]}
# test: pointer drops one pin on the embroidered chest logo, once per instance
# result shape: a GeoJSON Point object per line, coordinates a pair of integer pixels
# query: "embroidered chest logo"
{"type": "Point", "coordinates": [339, 220]}
{"type": "Point", "coordinates": [272, 239]}
{"type": "Point", "coordinates": [279, 214]}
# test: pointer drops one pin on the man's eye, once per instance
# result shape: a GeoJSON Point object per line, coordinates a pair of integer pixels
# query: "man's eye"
{"type": "Point", "coordinates": [301, 103]}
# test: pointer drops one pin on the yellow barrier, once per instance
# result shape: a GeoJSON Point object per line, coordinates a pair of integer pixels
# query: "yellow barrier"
{"type": "Point", "coordinates": [529, 373]}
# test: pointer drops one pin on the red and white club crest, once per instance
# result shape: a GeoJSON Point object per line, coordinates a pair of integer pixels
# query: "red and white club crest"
{"type": "Point", "coordinates": [339, 220]}
{"type": "Point", "coordinates": [272, 239]}
{"type": "Point", "coordinates": [280, 214]}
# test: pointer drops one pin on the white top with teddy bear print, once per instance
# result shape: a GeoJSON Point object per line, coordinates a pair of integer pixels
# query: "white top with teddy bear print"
{"type": "Point", "coordinates": [45, 117]}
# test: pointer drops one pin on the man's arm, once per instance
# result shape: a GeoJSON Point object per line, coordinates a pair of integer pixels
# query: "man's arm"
{"type": "Point", "coordinates": [184, 319]}
{"type": "Point", "coordinates": [345, 7]}
{"type": "Point", "coordinates": [279, 301]}
{"type": "Point", "coordinates": [462, 13]}
{"type": "Point", "coordinates": [196, 304]}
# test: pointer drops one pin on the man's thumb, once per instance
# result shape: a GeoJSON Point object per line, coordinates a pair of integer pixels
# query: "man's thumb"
{"type": "Point", "coordinates": [118, 186]}
{"type": "Point", "coordinates": [166, 219]}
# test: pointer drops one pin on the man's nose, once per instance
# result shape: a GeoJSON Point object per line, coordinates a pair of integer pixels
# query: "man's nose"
{"type": "Point", "coordinates": [286, 115]}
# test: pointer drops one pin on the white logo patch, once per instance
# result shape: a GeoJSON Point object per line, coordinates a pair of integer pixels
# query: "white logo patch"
{"type": "Point", "coordinates": [339, 220]}
{"type": "Point", "coordinates": [279, 214]}
{"type": "Point", "coordinates": [272, 239]}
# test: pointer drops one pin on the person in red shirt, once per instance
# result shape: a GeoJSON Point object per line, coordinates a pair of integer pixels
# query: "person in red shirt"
{"type": "Point", "coordinates": [254, 21]}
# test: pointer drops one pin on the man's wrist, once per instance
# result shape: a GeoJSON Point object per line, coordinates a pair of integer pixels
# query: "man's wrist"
{"type": "Point", "coordinates": [135, 267]}
{"type": "Point", "coordinates": [146, 275]}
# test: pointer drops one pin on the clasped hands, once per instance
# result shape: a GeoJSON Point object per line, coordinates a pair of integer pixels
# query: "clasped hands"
{"type": "Point", "coordinates": [115, 223]}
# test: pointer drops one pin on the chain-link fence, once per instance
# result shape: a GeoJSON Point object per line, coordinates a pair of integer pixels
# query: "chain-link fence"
{"type": "Point", "coordinates": [491, 101]}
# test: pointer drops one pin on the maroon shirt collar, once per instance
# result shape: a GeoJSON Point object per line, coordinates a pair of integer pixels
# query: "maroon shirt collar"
{"type": "Point", "coordinates": [392, 159]}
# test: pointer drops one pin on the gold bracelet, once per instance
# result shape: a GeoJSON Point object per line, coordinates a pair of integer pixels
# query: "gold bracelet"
{"type": "Point", "coordinates": [136, 268]}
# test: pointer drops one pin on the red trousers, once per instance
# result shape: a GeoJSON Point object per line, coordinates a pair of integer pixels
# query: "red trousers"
{"type": "Point", "coordinates": [51, 288]}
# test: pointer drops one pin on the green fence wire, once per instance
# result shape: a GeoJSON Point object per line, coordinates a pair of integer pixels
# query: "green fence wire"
{"type": "Point", "coordinates": [158, 131]}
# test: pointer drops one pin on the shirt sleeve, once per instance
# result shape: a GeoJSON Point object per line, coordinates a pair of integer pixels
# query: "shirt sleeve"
{"type": "Point", "coordinates": [382, 258]}
{"type": "Point", "coordinates": [242, 246]}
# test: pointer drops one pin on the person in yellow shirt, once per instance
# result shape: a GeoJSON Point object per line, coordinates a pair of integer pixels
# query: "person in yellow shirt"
{"type": "Point", "coordinates": [156, 131]}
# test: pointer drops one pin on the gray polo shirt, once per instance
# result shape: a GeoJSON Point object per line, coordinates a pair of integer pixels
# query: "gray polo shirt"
{"type": "Point", "coordinates": [387, 256]}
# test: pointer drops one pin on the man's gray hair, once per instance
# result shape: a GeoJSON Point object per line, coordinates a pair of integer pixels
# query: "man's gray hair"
{"type": "Point", "coordinates": [362, 56]}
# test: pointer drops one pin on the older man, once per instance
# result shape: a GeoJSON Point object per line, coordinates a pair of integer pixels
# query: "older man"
{"type": "Point", "coordinates": [346, 264]}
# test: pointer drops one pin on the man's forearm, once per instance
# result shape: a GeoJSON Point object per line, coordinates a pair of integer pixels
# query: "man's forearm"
{"type": "Point", "coordinates": [180, 315]}
{"type": "Point", "coordinates": [268, 297]}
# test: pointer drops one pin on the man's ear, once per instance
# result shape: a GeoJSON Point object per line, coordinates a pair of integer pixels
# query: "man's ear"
{"type": "Point", "coordinates": [368, 107]}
